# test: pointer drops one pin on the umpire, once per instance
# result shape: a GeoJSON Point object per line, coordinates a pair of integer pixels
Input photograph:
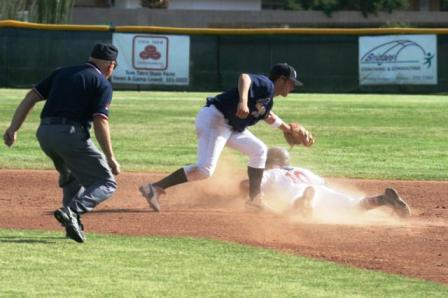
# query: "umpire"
{"type": "Point", "coordinates": [75, 97]}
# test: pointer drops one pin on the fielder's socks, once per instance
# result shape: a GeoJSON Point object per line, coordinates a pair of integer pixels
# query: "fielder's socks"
{"type": "Point", "coordinates": [174, 178]}
{"type": "Point", "coordinates": [255, 176]}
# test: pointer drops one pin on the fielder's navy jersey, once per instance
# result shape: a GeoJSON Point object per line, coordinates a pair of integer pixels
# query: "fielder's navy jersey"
{"type": "Point", "coordinates": [77, 93]}
{"type": "Point", "coordinates": [260, 102]}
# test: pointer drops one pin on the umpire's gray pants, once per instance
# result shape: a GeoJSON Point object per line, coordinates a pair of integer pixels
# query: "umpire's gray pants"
{"type": "Point", "coordinates": [85, 177]}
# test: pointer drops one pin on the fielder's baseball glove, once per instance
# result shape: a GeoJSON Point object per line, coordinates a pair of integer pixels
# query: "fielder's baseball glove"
{"type": "Point", "coordinates": [298, 135]}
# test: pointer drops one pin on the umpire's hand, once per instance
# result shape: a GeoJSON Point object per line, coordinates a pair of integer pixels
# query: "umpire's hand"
{"type": "Point", "coordinates": [9, 137]}
{"type": "Point", "coordinates": [114, 165]}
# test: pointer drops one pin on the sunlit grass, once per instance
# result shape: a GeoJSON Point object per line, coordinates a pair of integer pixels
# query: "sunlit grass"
{"type": "Point", "coordinates": [362, 136]}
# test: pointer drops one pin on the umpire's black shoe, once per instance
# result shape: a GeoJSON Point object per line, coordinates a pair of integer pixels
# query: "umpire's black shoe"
{"type": "Point", "coordinates": [69, 219]}
{"type": "Point", "coordinates": [393, 200]}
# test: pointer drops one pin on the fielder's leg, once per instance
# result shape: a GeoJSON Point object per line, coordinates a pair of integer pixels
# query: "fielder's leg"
{"type": "Point", "coordinates": [248, 144]}
{"type": "Point", "coordinates": [255, 175]}
{"type": "Point", "coordinates": [212, 132]}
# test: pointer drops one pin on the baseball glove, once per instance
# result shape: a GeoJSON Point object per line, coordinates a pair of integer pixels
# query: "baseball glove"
{"type": "Point", "coordinates": [298, 135]}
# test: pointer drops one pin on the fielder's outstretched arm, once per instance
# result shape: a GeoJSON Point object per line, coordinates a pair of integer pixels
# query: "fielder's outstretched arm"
{"type": "Point", "coordinates": [276, 122]}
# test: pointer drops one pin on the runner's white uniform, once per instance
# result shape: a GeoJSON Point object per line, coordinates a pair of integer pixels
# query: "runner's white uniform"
{"type": "Point", "coordinates": [285, 185]}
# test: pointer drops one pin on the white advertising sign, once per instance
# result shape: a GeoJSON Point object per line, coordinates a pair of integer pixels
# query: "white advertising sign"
{"type": "Point", "coordinates": [398, 60]}
{"type": "Point", "coordinates": [152, 59]}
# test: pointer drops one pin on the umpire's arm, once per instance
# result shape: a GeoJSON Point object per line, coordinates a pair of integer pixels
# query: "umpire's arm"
{"type": "Point", "coordinates": [19, 117]}
{"type": "Point", "coordinates": [102, 134]}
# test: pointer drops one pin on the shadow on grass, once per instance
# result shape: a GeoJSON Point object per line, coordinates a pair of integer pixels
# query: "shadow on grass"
{"type": "Point", "coordinates": [29, 240]}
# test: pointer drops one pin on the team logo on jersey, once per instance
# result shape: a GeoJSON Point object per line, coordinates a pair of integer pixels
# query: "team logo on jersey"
{"type": "Point", "coordinates": [260, 107]}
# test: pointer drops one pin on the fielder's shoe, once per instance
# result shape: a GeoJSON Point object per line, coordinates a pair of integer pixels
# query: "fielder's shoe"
{"type": "Point", "coordinates": [152, 194]}
{"type": "Point", "coordinates": [303, 205]}
{"type": "Point", "coordinates": [393, 200]}
{"type": "Point", "coordinates": [69, 219]}
{"type": "Point", "coordinates": [255, 204]}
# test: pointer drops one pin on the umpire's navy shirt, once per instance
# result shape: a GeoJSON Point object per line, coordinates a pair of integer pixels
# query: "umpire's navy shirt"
{"type": "Point", "coordinates": [77, 93]}
{"type": "Point", "coordinates": [260, 102]}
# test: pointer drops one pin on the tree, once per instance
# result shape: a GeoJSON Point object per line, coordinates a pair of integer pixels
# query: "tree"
{"type": "Point", "coordinates": [444, 5]}
{"type": "Point", "coordinates": [54, 11]}
{"type": "Point", "coordinates": [40, 11]}
{"type": "Point", "coordinates": [11, 9]}
{"type": "Point", "coordinates": [329, 6]}
{"type": "Point", "coordinates": [155, 3]}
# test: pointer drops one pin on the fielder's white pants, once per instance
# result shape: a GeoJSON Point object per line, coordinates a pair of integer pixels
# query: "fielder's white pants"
{"type": "Point", "coordinates": [214, 134]}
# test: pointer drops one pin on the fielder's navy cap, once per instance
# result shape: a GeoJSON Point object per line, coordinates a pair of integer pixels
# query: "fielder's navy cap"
{"type": "Point", "coordinates": [104, 51]}
{"type": "Point", "coordinates": [284, 69]}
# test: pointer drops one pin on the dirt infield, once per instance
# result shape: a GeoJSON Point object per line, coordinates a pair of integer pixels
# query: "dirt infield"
{"type": "Point", "coordinates": [417, 247]}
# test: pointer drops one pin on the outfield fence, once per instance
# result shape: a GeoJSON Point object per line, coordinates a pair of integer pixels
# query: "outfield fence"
{"type": "Point", "coordinates": [327, 60]}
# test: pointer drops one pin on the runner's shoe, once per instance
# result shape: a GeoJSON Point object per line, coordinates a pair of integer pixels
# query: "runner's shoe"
{"type": "Point", "coordinates": [393, 200]}
{"type": "Point", "coordinates": [303, 205]}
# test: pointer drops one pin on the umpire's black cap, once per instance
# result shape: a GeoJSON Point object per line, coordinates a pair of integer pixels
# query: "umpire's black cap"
{"type": "Point", "coordinates": [104, 51]}
{"type": "Point", "coordinates": [284, 69]}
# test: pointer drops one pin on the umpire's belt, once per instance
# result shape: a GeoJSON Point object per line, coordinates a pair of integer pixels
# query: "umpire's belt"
{"type": "Point", "coordinates": [60, 121]}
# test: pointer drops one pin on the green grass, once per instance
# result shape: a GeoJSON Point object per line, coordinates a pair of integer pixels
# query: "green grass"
{"type": "Point", "coordinates": [35, 263]}
{"type": "Point", "coordinates": [365, 136]}
{"type": "Point", "coordinates": [359, 136]}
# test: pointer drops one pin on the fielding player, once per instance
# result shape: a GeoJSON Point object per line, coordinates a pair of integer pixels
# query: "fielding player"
{"type": "Point", "coordinates": [224, 120]}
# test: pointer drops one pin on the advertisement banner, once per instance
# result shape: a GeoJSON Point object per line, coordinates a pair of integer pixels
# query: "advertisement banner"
{"type": "Point", "coordinates": [152, 59]}
{"type": "Point", "coordinates": [398, 60]}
